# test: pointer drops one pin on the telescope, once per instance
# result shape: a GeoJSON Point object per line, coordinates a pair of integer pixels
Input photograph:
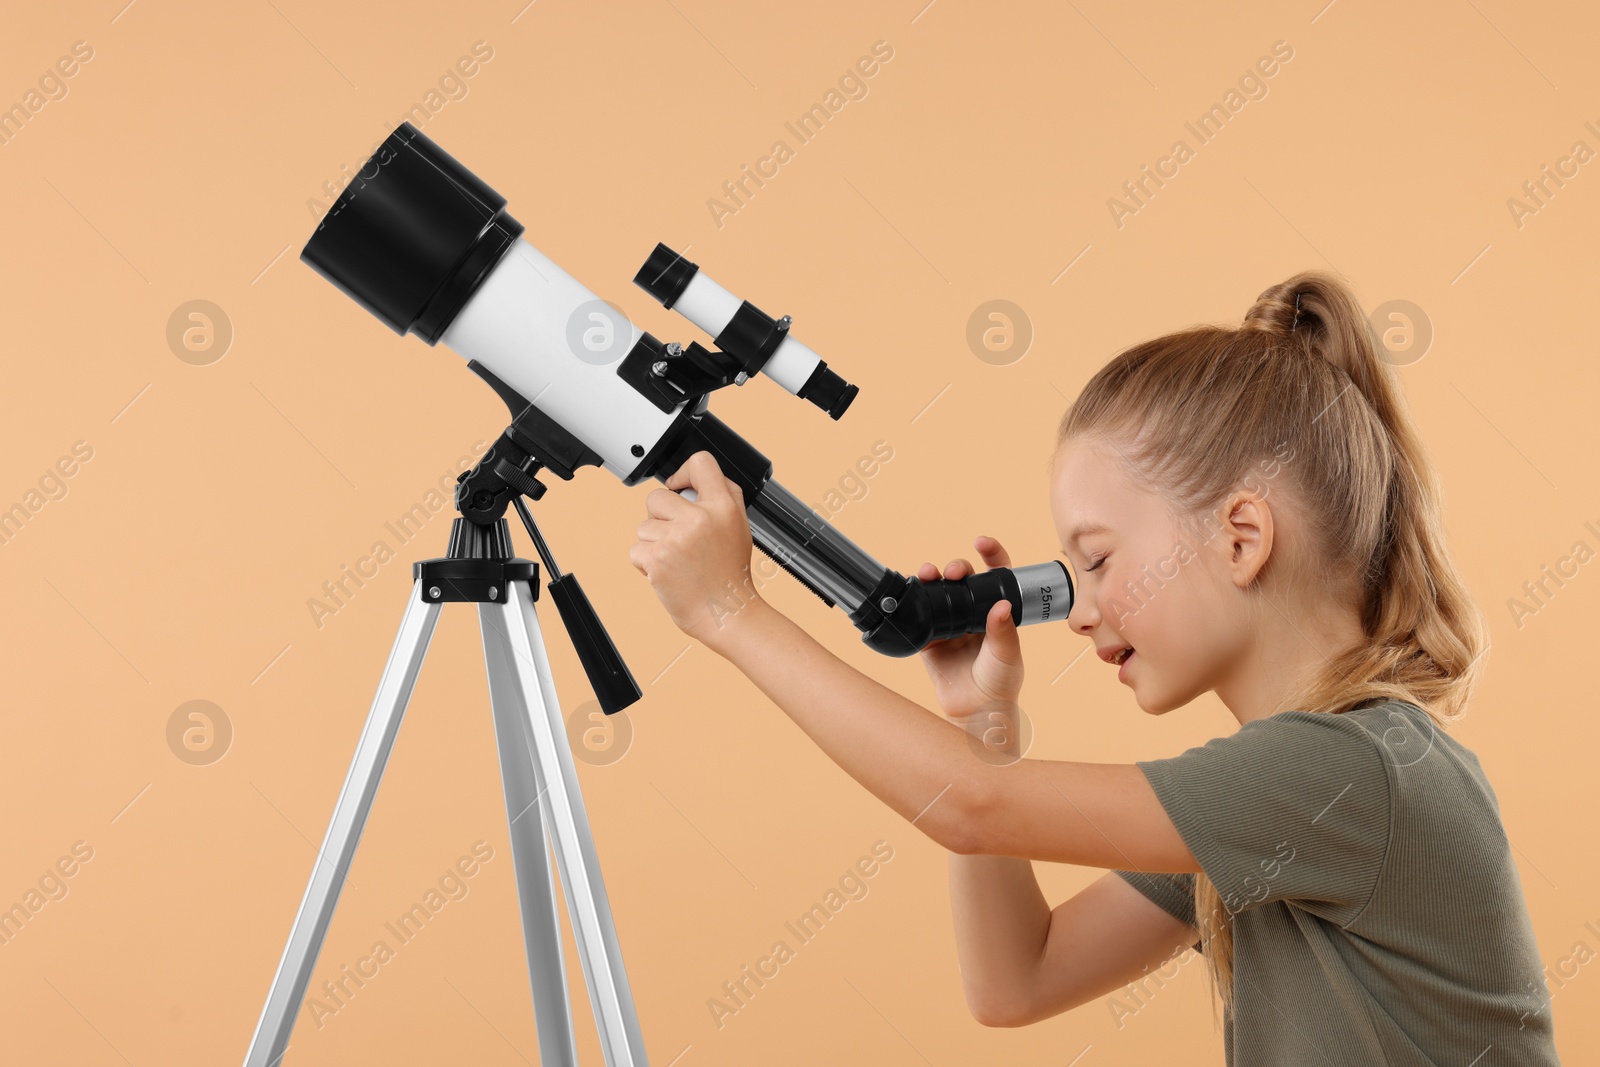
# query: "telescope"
{"type": "Point", "coordinates": [428, 248]}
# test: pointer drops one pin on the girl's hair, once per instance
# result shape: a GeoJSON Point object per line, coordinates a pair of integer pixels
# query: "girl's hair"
{"type": "Point", "coordinates": [1300, 395]}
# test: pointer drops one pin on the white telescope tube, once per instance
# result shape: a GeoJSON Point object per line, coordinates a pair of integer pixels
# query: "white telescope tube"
{"type": "Point", "coordinates": [548, 337]}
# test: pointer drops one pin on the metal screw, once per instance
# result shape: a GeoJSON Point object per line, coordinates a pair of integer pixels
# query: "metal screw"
{"type": "Point", "coordinates": [888, 603]}
{"type": "Point", "coordinates": [433, 591]}
{"type": "Point", "coordinates": [659, 368]}
{"type": "Point", "coordinates": [674, 348]}
{"type": "Point", "coordinates": [740, 378]}
{"type": "Point", "coordinates": [494, 593]}
{"type": "Point", "coordinates": [783, 323]}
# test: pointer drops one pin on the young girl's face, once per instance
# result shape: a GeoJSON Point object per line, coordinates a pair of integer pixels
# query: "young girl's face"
{"type": "Point", "coordinates": [1143, 581]}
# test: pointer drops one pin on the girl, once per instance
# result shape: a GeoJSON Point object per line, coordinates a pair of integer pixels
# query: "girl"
{"type": "Point", "coordinates": [1249, 512]}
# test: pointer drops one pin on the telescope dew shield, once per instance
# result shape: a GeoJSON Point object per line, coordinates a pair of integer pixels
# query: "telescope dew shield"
{"type": "Point", "coordinates": [412, 236]}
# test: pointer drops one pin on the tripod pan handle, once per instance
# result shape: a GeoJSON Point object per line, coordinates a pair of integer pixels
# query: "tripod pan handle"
{"type": "Point", "coordinates": [608, 675]}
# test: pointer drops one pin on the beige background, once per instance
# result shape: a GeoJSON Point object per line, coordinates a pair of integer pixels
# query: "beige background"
{"type": "Point", "coordinates": [978, 166]}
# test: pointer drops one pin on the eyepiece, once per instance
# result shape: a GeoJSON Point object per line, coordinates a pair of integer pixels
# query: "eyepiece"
{"type": "Point", "coordinates": [828, 391]}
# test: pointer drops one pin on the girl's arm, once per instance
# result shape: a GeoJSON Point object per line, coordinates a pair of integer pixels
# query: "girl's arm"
{"type": "Point", "coordinates": [1002, 922]}
{"type": "Point", "coordinates": [1105, 936]}
{"type": "Point", "coordinates": [1091, 814]}
{"type": "Point", "coordinates": [1020, 962]}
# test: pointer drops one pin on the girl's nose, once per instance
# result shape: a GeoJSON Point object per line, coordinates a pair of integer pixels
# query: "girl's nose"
{"type": "Point", "coordinates": [1084, 616]}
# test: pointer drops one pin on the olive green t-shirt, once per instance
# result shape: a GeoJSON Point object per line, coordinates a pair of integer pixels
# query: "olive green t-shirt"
{"type": "Point", "coordinates": [1377, 915]}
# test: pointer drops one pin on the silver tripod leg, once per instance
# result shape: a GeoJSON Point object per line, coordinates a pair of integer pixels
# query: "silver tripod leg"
{"type": "Point", "coordinates": [518, 665]}
{"type": "Point", "coordinates": [530, 853]}
{"type": "Point", "coordinates": [344, 831]}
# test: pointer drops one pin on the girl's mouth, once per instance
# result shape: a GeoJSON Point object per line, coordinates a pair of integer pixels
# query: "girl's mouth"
{"type": "Point", "coordinates": [1122, 669]}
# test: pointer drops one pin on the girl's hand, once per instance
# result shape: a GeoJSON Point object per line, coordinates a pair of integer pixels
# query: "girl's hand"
{"type": "Point", "coordinates": [977, 670]}
{"type": "Point", "coordinates": [696, 553]}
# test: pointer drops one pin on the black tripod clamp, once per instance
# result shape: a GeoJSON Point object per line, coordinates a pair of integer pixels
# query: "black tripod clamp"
{"type": "Point", "coordinates": [479, 563]}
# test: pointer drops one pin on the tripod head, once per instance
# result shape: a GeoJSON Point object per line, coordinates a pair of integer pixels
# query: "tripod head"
{"type": "Point", "coordinates": [428, 248]}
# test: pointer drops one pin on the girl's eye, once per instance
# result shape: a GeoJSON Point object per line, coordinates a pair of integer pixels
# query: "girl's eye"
{"type": "Point", "coordinates": [1095, 565]}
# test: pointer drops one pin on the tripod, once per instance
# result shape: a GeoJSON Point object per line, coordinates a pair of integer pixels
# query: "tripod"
{"type": "Point", "coordinates": [542, 796]}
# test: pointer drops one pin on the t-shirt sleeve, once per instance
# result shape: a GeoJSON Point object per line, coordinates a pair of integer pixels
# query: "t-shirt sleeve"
{"type": "Point", "coordinates": [1172, 893]}
{"type": "Point", "coordinates": [1295, 806]}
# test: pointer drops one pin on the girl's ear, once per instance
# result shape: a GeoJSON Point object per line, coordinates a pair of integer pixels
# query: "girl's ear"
{"type": "Point", "coordinates": [1246, 535]}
